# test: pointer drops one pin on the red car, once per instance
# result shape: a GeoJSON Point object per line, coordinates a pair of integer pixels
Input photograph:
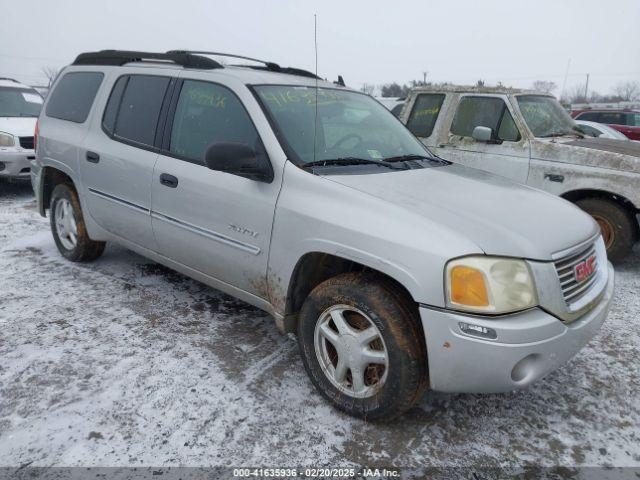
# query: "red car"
{"type": "Point", "coordinates": [625, 121]}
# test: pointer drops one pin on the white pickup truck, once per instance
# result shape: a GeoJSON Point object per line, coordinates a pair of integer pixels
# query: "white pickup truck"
{"type": "Point", "coordinates": [528, 137]}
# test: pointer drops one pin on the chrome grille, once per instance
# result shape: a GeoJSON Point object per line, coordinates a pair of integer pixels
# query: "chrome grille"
{"type": "Point", "coordinates": [572, 289]}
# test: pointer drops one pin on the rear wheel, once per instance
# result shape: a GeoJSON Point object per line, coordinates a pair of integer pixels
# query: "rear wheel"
{"type": "Point", "coordinates": [68, 228]}
{"type": "Point", "coordinates": [618, 226]}
{"type": "Point", "coordinates": [362, 346]}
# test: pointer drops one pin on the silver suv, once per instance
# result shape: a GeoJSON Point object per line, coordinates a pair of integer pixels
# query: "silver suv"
{"type": "Point", "coordinates": [396, 269]}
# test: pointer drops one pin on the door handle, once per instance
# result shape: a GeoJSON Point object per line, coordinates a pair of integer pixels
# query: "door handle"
{"type": "Point", "coordinates": [552, 177]}
{"type": "Point", "coordinates": [447, 145]}
{"type": "Point", "coordinates": [168, 180]}
{"type": "Point", "coordinates": [93, 157]}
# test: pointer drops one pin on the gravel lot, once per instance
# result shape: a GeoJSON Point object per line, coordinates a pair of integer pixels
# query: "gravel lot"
{"type": "Point", "coordinates": [124, 362]}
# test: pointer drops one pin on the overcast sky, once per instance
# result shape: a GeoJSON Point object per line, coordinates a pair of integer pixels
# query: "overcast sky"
{"type": "Point", "coordinates": [375, 42]}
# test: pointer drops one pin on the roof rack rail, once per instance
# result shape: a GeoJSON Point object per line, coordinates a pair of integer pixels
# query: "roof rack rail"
{"type": "Point", "coordinates": [9, 79]}
{"type": "Point", "coordinates": [122, 57]}
{"type": "Point", "coordinates": [270, 66]}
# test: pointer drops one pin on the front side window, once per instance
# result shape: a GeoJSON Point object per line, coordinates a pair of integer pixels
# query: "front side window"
{"type": "Point", "coordinates": [19, 102]}
{"type": "Point", "coordinates": [134, 113]}
{"type": "Point", "coordinates": [327, 124]}
{"type": "Point", "coordinates": [424, 114]}
{"type": "Point", "coordinates": [545, 117]}
{"type": "Point", "coordinates": [207, 113]}
{"type": "Point", "coordinates": [491, 112]}
{"type": "Point", "coordinates": [73, 96]}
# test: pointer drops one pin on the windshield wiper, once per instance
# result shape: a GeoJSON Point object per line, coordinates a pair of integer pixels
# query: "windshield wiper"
{"type": "Point", "coordinates": [413, 156]}
{"type": "Point", "coordinates": [562, 134]}
{"type": "Point", "coordinates": [350, 161]}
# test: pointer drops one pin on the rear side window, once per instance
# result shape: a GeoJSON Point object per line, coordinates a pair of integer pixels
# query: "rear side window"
{"type": "Point", "coordinates": [489, 112]}
{"type": "Point", "coordinates": [207, 113]}
{"type": "Point", "coordinates": [613, 118]}
{"type": "Point", "coordinates": [589, 116]}
{"type": "Point", "coordinates": [134, 107]}
{"type": "Point", "coordinates": [73, 96]}
{"type": "Point", "coordinates": [111, 110]}
{"type": "Point", "coordinates": [424, 114]}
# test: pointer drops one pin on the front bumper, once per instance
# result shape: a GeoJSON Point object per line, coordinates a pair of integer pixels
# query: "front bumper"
{"type": "Point", "coordinates": [528, 346]}
{"type": "Point", "coordinates": [16, 163]}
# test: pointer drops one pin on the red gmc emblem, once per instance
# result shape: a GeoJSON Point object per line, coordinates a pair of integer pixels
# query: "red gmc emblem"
{"type": "Point", "coordinates": [585, 269]}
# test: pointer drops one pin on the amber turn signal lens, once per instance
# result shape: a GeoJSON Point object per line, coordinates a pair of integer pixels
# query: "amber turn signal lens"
{"type": "Point", "coordinates": [468, 287]}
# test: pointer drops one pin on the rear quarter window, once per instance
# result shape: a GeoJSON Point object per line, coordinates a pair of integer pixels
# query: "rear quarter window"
{"type": "Point", "coordinates": [73, 96]}
{"type": "Point", "coordinates": [424, 114]}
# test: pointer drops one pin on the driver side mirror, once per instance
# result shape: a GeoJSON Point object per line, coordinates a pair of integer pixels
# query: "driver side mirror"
{"type": "Point", "coordinates": [239, 159]}
{"type": "Point", "coordinates": [482, 134]}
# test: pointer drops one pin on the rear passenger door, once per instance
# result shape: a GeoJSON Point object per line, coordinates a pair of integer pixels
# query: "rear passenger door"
{"type": "Point", "coordinates": [119, 156]}
{"type": "Point", "coordinates": [506, 154]}
{"type": "Point", "coordinates": [213, 222]}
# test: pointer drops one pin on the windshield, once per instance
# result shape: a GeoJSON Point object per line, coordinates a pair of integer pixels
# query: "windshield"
{"type": "Point", "coordinates": [350, 126]}
{"type": "Point", "coordinates": [545, 117]}
{"type": "Point", "coordinates": [19, 102]}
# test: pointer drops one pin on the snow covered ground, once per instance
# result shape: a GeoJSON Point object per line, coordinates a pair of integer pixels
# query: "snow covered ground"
{"type": "Point", "coordinates": [124, 362]}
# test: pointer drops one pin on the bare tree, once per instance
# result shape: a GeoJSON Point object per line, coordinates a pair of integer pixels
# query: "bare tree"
{"type": "Point", "coordinates": [394, 90]}
{"type": "Point", "coordinates": [545, 86]}
{"type": "Point", "coordinates": [480, 83]}
{"type": "Point", "coordinates": [368, 88]}
{"type": "Point", "coordinates": [628, 91]}
{"type": "Point", "coordinates": [50, 73]}
{"type": "Point", "coordinates": [576, 94]}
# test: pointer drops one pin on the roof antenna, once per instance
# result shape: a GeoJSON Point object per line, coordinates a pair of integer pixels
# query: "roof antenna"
{"type": "Point", "coordinates": [315, 122]}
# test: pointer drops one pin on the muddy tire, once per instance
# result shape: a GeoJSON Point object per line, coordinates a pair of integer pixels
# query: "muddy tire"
{"type": "Point", "coordinates": [362, 346]}
{"type": "Point", "coordinates": [68, 227]}
{"type": "Point", "coordinates": [618, 226]}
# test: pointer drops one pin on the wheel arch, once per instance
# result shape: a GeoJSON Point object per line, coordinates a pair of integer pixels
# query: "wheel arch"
{"type": "Point", "coordinates": [50, 177]}
{"type": "Point", "coordinates": [315, 267]}
{"type": "Point", "coordinates": [626, 204]}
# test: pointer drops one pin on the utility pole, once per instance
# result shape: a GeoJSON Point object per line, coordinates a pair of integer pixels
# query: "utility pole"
{"type": "Point", "coordinates": [424, 78]}
{"type": "Point", "coordinates": [564, 82]}
{"type": "Point", "coordinates": [586, 90]}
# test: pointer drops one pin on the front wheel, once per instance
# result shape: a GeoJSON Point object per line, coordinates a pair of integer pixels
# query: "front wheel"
{"type": "Point", "coordinates": [362, 346]}
{"type": "Point", "coordinates": [68, 228]}
{"type": "Point", "coordinates": [617, 225]}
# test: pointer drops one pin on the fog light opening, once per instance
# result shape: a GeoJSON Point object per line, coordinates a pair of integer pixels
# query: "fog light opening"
{"type": "Point", "coordinates": [527, 368]}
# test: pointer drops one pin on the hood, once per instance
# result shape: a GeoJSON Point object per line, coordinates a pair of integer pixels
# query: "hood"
{"type": "Point", "coordinates": [608, 153]}
{"type": "Point", "coordinates": [624, 147]}
{"type": "Point", "coordinates": [499, 216]}
{"type": "Point", "coordinates": [18, 126]}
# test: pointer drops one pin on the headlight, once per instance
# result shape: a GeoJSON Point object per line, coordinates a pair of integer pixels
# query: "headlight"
{"type": "Point", "coordinates": [492, 285]}
{"type": "Point", "coordinates": [7, 140]}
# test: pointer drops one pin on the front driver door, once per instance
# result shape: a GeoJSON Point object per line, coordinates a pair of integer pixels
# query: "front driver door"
{"type": "Point", "coordinates": [507, 154]}
{"type": "Point", "coordinates": [216, 223]}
